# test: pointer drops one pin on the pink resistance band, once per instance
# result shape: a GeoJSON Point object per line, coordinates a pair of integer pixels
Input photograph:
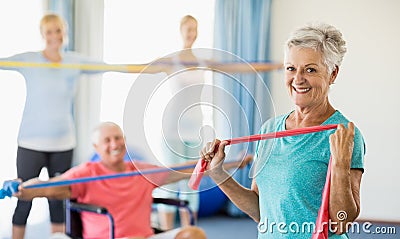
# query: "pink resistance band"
{"type": "Point", "coordinates": [321, 228]}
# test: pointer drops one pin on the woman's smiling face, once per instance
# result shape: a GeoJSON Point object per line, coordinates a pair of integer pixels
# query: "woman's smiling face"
{"type": "Point", "coordinates": [53, 33]}
{"type": "Point", "coordinates": [306, 77]}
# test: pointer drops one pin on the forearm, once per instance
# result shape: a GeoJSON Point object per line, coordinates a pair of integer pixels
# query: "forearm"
{"type": "Point", "coordinates": [59, 192]}
{"type": "Point", "coordinates": [343, 206]}
{"type": "Point", "coordinates": [7, 64]}
{"type": "Point", "coordinates": [245, 199]}
{"type": "Point", "coordinates": [186, 173]}
{"type": "Point", "coordinates": [29, 194]}
{"type": "Point", "coordinates": [177, 175]}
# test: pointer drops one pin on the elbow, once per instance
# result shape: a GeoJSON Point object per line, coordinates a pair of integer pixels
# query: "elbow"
{"type": "Point", "coordinates": [256, 218]}
{"type": "Point", "coordinates": [338, 228]}
{"type": "Point", "coordinates": [341, 219]}
{"type": "Point", "coordinates": [339, 232]}
{"type": "Point", "coordinates": [342, 226]}
{"type": "Point", "coordinates": [255, 215]}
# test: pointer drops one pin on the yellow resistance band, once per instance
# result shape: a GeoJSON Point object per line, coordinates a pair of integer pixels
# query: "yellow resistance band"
{"type": "Point", "coordinates": [87, 67]}
{"type": "Point", "coordinates": [149, 68]}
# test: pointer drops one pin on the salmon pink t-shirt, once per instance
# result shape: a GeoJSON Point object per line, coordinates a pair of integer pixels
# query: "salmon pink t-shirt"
{"type": "Point", "coordinates": [128, 199]}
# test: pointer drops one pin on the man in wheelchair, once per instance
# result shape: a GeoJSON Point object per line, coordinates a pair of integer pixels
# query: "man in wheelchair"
{"type": "Point", "coordinates": [127, 199]}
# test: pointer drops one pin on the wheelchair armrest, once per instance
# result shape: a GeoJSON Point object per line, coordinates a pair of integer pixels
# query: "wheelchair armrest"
{"type": "Point", "coordinates": [73, 219]}
{"type": "Point", "coordinates": [171, 201]}
{"type": "Point", "coordinates": [88, 208]}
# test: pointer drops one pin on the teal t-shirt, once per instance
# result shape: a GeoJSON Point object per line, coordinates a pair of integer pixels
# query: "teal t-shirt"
{"type": "Point", "coordinates": [290, 174]}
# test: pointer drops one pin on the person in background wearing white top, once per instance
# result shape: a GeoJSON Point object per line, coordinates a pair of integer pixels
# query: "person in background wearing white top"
{"type": "Point", "coordinates": [181, 124]}
{"type": "Point", "coordinates": [47, 133]}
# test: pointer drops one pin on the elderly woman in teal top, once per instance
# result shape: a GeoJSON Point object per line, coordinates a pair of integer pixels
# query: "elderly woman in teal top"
{"type": "Point", "coordinates": [47, 134]}
{"type": "Point", "coordinates": [290, 172]}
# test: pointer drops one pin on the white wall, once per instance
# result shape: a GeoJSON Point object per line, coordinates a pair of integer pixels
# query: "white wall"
{"type": "Point", "coordinates": [19, 33]}
{"type": "Point", "coordinates": [366, 90]}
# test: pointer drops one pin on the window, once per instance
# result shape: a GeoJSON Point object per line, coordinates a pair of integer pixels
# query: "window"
{"type": "Point", "coordinates": [20, 33]}
{"type": "Point", "coordinates": [19, 23]}
{"type": "Point", "coordinates": [138, 32]}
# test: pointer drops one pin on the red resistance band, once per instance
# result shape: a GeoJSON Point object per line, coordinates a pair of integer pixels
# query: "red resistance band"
{"type": "Point", "coordinates": [321, 228]}
{"type": "Point", "coordinates": [201, 165]}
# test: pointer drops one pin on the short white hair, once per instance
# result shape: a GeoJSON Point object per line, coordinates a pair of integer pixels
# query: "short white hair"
{"type": "Point", "coordinates": [97, 129]}
{"type": "Point", "coordinates": [321, 37]}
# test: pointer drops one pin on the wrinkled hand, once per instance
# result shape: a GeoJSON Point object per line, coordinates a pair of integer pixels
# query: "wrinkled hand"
{"type": "Point", "coordinates": [214, 157]}
{"type": "Point", "coordinates": [341, 145]}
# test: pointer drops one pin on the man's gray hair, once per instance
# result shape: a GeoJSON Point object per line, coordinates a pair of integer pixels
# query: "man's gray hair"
{"type": "Point", "coordinates": [97, 129]}
{"type": "Point", "coordinates": [321, 37]}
